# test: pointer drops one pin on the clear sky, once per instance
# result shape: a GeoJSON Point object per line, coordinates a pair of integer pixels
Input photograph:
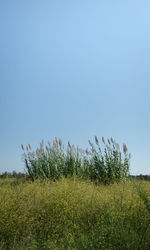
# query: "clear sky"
{"type": "Point", "coordinates": [74, 69]}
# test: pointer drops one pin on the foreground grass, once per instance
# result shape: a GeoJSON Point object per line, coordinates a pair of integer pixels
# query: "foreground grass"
{"type": "Point", "coordinates": [74, 214]}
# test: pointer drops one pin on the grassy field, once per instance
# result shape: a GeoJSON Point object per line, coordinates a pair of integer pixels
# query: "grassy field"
{"type": "Point", "coordinates": [74, 214]}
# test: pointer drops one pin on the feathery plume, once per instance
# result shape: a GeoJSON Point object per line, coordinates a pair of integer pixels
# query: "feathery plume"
{"type": "Point", "coordinates": [96, 140]}
{"type": "Point", "coordinates": [103, 139]}
{"type": "Point", "coordinates": [91, 144]}
{"type": "Point", "coordinates": [81, 151]}
{"type": "Point", "coordinates": [60, 143]}
{"type": "Point", "coordinates": [42, 144]}
{"type": "Point", "coordinates": [117, 146]}
{"type": "Point", "coordinates": [108, 147]}
{"type": "Point", "coordinates": [112, 140]}
{"type": "Point", "coordinates": [125, 149]}
{"type": "Point", "coordinates": [73, 148]}
{"type": "Point", "coordinates": [69, 144]}
{"type": "Point", "coordinates": [108, 141]}
{"type": "Point", "coordinates": [87, 151]}
{"type": "Point", "coordinates": [38, 152]}
{"type": "Point", "coordinates": [56, 140]}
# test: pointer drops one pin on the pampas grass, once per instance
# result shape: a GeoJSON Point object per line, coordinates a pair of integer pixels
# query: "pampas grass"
{"type": "Point", "coordinates": [56, 161]}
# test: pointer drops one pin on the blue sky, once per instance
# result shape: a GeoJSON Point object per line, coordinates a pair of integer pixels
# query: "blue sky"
{"type": "Point", "coordinates": [74, 69]}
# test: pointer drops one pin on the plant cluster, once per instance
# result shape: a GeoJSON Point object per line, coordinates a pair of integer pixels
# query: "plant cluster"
{"type": "Point", "coordinates": [55, 161]}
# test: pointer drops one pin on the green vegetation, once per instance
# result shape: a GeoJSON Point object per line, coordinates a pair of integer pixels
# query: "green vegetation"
{"type": "Point", "coordinates": [74, 199]}
{"type": "Point", "coordinates": [73, 213]}
{"type": "Point", "coordinates": [54, 161]}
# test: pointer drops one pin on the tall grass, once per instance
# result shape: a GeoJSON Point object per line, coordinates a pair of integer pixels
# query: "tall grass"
{"type": "Point", "coordinates": [73, 214]}
{"type": "Point", "coordinates": [56, 161]}
{"type": "Point", "coordinates": [145, 197]}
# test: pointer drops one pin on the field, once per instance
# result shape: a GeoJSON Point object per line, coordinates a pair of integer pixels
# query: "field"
{"type": "Point", "coordinates": [72, 213]}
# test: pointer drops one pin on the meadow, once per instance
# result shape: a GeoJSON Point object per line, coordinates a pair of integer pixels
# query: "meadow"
{"type": "Point", "coordinates": [72, 213]}
{"type": "Point", "coordinates": [50, 208]}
